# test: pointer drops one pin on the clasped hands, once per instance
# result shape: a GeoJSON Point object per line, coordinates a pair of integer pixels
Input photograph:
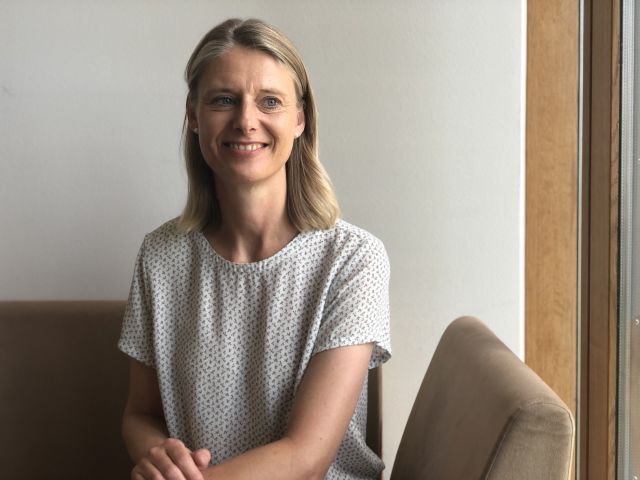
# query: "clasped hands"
{"type": "Point", "coordinates": [172, 460]}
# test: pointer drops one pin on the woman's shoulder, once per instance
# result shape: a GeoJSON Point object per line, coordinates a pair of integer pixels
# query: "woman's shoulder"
{"type": "Point", "coordinates": [348, 238]}
{"type": "Point", "coordinates": [346, 251]}
{"type": "Point", "coordinates": [166, 232]}
{"type": "Point", "coordinates": [167, 239]}
{"type": "Point", "coordinates": [351, 233]}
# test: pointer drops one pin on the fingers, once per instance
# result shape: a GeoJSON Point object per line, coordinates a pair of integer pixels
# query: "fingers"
{"type": "Point", "coordinates": [146, 470]}
{"type": "Point", "coordinates": [181, 457]}
{"type": "Point", "coordinates": [171, 460]}
{"type": "Point", "coordinates": [202, 457]}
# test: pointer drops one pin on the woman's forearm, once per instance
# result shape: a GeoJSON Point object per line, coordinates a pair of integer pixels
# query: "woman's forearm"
{"type": "Point", "coordinates": [282, 460]}
{"type": "Point", "coordinates": [141, 432]}
{"type": "Point", "coordinates": [322, 408]}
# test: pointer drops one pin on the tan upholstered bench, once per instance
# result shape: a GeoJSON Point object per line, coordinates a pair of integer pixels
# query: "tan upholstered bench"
{"type": "Point", "coordinates": [62, 390]}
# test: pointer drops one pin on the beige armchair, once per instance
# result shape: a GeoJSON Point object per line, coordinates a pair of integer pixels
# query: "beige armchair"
{"type": "Point", "coordinates": [481, 413]}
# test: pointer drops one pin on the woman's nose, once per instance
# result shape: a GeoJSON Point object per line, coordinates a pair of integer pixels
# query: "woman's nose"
{"type": "Point", "coordinates": [246, 117]}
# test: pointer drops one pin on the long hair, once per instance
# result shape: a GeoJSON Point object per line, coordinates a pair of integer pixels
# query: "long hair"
{"type": "Point", "coordinates": [311, 202]}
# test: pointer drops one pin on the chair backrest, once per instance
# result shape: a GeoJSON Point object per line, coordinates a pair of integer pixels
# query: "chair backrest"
{"type": "Point", "coordinates": [63, 386]}
{"type": "Point", "coordinates": [481, 413]}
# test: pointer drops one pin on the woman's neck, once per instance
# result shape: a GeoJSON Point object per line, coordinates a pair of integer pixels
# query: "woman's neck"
{"type": "Point", "coordinates": [255, 224]}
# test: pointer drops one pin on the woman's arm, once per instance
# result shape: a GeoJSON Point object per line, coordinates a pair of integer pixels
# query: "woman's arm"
{"type": "Point", "coordinates": [322, 410]}
{"type": "Point", "coordinates": [145, 435]}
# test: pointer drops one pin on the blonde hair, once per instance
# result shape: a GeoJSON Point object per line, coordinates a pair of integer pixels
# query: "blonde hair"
{"type": "Point", "coordinates": [311, 202]}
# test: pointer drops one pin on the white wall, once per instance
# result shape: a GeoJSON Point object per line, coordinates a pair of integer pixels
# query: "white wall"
{"type": "Point", "coordinates": [421, 130]}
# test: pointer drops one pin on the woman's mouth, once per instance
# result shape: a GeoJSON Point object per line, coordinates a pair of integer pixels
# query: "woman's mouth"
{"type": "Point", "coordinates": [245, 147]}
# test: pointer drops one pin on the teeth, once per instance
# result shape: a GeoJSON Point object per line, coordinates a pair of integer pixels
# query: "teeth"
{"type": "Point", "coordinates": [250, 147]}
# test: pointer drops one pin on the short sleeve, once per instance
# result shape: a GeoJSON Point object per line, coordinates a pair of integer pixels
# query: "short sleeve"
{"type": "Point", "coordinates": [357, 307]}
{"type": "Point", "coordinates": [136, 337]}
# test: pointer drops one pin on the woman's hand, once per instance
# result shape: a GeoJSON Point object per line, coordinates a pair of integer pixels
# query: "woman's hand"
{"type": "Point", "coordinates": [171, 460]}
{"type": "Point", "coordinates": [156, 456]}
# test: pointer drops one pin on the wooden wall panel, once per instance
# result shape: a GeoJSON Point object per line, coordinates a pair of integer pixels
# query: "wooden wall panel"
{"type": "Point", "coordinates": [551, 248]}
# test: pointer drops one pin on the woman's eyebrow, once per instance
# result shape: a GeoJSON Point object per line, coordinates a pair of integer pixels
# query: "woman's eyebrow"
{"type": "Point", "coordinates": [262, 91]}
{"type": "Point", "coordinates": [273, 91]}
{"type": "Point", "coordinates": [213, 90]}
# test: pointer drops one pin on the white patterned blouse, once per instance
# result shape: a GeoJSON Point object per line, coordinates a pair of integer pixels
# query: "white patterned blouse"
{"type": "Point", "coordinates": [231, 342]}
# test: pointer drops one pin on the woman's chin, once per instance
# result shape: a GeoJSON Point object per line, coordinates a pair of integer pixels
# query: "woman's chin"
{"type": "Point", "coordinates": [253, 177]}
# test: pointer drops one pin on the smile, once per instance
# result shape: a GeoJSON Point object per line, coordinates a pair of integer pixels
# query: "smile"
{"type": "Point", "coordinates": [250, 147]}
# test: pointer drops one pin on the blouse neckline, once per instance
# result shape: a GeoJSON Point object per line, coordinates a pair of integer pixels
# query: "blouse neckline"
{"type": "Point", "coordinates": [258, 265]}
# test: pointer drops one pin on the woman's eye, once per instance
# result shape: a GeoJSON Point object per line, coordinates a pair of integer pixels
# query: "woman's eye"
{"type": "Point", "coordinates": [271, 102]}
{"type": "Point", "coordinates": [223, 101]}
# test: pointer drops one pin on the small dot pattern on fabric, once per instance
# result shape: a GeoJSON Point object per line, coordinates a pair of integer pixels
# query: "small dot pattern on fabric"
{"type": "Point", "coordinates": [231, 342]}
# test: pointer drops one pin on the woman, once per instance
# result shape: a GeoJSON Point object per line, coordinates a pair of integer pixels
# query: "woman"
{"type": "Point", "coordinates": [253, 318]}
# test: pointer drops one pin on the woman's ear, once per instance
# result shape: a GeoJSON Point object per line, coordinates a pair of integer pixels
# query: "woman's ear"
{"type": "Point", "coordinates": [192, 120]}
{"type": "Point", "coordinates": [301, 123]}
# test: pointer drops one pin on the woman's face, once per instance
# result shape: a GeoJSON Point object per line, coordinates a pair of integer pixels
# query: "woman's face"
{"type": "Point", "coordinates": [246, 116]}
